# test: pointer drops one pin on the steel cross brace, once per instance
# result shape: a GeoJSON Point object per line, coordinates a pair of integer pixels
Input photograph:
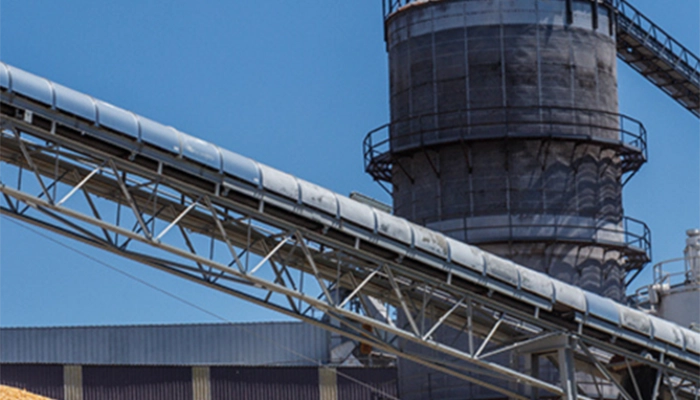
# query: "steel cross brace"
{"type": "Point", "coordinates": [251, 280]}
{"type": "Point", "coordinates": [363, 275]}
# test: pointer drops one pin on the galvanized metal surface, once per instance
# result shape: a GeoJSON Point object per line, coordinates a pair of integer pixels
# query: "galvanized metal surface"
{"type": "Point", "coordinates": [45, 380]}
{"type": "Point", "coordinates": [130, 382]}
{"type": "Point", "coordinates": [206, 344]}
{"type": "Point", "coordinates": [264, 383]}
{"type": "Point", "coordinates": [681, 306]}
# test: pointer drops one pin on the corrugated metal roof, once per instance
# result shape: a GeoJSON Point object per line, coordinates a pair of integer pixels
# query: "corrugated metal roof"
{"type": "Point", "coordinates": [269, 343]}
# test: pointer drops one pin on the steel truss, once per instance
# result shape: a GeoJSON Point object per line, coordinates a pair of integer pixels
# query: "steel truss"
{"type": "Point", "coordinates": [145, 212]}
{"type": "Point", "coordinates": [657, 56]}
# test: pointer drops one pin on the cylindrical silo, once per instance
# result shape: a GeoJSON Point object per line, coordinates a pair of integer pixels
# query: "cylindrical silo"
{"type": "Point", "coordinates": [505, 133]}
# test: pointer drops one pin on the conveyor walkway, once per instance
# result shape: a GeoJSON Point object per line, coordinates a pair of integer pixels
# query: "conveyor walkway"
{"type": "Point", "coordinates": [657, 56]}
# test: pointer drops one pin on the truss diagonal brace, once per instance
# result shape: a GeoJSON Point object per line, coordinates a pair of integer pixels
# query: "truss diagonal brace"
{"type": "Point", "coordinates": [605, 372]}
{"type": "Point", "coordinates": [323, 306]}
{"type": "Point", "coordinates": [30, 161]}
{"type": "Point", "coordinates": [130, 199]}
{"type": "Point", "coordinates": [443, 318]}
{"type": "Point", "coordinates": [269, 255]}
{"type": "Point", "coordinates": [523, 346]}
{"type": "Point", "coordinates": [490, 335]}
{"type": "Point", "coordinates": [359, 287]}
{"type": "Point", "coordinates": [312, 263]}
{"type": "Point", "coordinates": [80, 185]}
{"type": "Point", "coordinates": [177, 220]}
{"type": "Point", "coordinates": [224, 236]}
{"type": "Point", "coordinates": [401, 300]}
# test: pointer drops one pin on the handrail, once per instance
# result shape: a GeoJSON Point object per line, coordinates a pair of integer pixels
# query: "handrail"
{"type": "Point", "coordinates": [662, 276]}
{"type": "Point", "coordinates": [678, 55]}
{"type": "Point", "coordinates": [635, 238]}
{"type": "Point", "coordinates": [664, 279]}
{"type": "Point", "coordinates": [380, 143]}
{"type": "Point", "coordinates": [635, 235]}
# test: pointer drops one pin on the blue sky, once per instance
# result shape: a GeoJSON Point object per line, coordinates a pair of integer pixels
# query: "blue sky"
{"type": "Point", "coordinates": [293, 84]}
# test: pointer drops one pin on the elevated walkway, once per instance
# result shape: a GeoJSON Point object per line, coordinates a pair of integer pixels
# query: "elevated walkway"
{"type": "Point", "coordinates": [657, 56]}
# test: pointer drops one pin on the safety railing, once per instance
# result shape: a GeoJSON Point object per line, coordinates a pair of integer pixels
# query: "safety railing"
{"type": "Point", "coordinates": [633, 22]}
{"type": "Point", "coordinates": [667, 275]}
{"type": "Point", "coordinates": [637, 234]}
{"type": "Point", "coordinates": [383, 143]}
{"type": "Point", "coordinates": [630, 236]}
{"type": "Point", "coordinates": [670, 273]}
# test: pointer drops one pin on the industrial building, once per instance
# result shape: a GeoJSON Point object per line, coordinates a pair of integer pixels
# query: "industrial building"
{"type": "Point", "coordinates": [501, 273]}
{"type": "Point", "coordinates": [199, 362]}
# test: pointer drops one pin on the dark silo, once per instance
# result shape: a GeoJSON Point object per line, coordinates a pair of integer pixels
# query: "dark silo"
{"type": "Point", "coordinates": [505, 133]}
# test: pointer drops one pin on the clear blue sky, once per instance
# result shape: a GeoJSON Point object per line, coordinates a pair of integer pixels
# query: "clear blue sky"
{"type": "Point", "coordinates": [293, 84]}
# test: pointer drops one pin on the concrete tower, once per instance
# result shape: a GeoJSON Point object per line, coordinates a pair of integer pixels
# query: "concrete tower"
{"type": "Point", "coordinates": [505, 133]}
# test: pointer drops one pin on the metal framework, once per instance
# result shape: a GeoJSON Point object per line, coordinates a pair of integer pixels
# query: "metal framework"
{"type": "Point", "coordinates": [429, 130]}
{"type": "Point", "coordinates": [243, 241]}
{"type": "Point", "coordinates": [657, 56]}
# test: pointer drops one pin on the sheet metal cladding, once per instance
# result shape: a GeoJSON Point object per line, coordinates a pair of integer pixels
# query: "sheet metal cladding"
{"type": "Point", "coordinates": [421, 244]}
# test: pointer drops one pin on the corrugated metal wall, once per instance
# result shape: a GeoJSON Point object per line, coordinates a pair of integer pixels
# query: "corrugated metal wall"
{"type": "Point", "coordinates": [128, 383]}
{"type": "Point", "coordinates": [382, 379]}
{"type": "Point", "coordinates": [264, 383]}
{"type": "Point", "coordinates": [205, 344]}
{"type": "Point", "coordinates": [46, 380]}
{"type": "Point", "coordinates": [217, 383]}
{"type": "Point", "coordinates": [248, 361]}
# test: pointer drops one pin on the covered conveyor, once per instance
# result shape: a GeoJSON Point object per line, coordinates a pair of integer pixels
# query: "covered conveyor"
{"type": "Point", "coordinates": [109, 178]}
